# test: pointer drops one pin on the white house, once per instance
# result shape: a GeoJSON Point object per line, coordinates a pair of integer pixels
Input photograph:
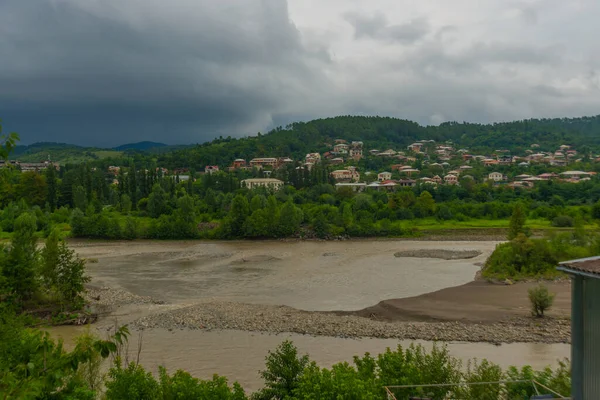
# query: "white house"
{"type": "Point", "coordinates": [262, 182]}
{"type": "Point", "coordinates": [384, 176]}
{"type": "Point", "coordinates": [496, 177]}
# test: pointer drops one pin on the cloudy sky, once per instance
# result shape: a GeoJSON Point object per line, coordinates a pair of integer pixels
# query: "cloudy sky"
{"type": "Point", "coordinates": [107, 72]}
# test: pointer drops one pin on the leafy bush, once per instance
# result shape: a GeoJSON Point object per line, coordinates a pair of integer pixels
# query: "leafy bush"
{"type": "Point", "coordinates": [521, 257]}
{"type": "Point", "coordinates": [541, 300]}
{"type": "Point", "coordinates": [563, 221]}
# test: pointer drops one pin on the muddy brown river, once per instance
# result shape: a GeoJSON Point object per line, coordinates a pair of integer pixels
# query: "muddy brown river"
{"type": "Point", "coordinates": [319, 276]}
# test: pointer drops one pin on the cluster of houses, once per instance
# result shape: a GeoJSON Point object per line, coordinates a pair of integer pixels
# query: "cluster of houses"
{"type": "Point", "coordinates": [35, 167]}
{"type": "Point", "coordinates": [432, 155]}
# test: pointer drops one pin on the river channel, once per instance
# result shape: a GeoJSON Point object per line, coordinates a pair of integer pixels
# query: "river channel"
{"type": "Point", "coordinates": [315, 276]}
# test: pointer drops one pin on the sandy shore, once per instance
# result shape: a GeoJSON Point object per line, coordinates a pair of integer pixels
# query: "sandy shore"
{"type": "Point", "coordinates": [475, 312]}
{"type": "Point", "coordinates": [476, 302]}
{"type": "Point", "coordinates": [383, 289]}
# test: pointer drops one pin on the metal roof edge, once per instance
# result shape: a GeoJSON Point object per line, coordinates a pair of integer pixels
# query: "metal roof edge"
{"type": "Point", "coordinates": [579, 260]}
{"type": "Point", "coordinates": [576, 272]}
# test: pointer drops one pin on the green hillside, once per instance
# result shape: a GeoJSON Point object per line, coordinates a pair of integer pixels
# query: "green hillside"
{"type": "Point", "coordinates": [381, 133]}
{"type": "Point", "coordinates": [61, 153]}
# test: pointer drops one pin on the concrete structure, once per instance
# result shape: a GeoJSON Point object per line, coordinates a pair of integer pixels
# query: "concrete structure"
{"type": "Point", "coordinates": [263, 162]}
{"type": "Point", "coordinates": [575, 174]}
{"type": "Point", "coordinates": [355, 186]}
{"type": "Point", "coordinates": [585, 326]}
{"type": "Point", "coordinates": [451, 179]}
{"type": "Point", "coordinates": [211, 169]}
{"type": "Point", "coordinates": [384, 176]}
{"type": "Point", "coordinates": [496, 177]}
{"type": "Point", "coordinates": [262, 182]}
{"type": "Point", "coordinates": [312, 158]}
{"type": "Point", "coordinates": [346, 175]}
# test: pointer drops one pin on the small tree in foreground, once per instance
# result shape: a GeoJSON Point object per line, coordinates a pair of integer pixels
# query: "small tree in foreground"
{"type": "Point", "coordinates": [541, 300]}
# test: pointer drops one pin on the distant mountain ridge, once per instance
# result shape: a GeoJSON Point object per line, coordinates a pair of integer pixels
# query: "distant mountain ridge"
{"type": "Point", "coordinates": [145, 145]}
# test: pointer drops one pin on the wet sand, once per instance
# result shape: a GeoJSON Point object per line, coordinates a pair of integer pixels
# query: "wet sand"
{"type": "Point", "coordinates": [477, 302]}
{"type": "Point", "coordinates": [312, 276]}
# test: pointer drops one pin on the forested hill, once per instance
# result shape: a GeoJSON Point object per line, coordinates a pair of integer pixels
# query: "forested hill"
{"type": "Point", "coordinates": [382, 133]}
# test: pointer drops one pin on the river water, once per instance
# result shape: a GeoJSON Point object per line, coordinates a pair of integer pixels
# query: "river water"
{"type": "Point", "coordinates": [322, 276]}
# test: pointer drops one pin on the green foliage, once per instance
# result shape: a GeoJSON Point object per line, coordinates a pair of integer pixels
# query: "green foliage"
{"type": "Point", "coordinates": [521, 257]}
{"type": "Point", "coordinates": [133, 382]}
{"type": "Point", "coordinates": [80, 198]}
{"type": "Point", "coordinates": [21, 262]}
{"type": "Point", "coordinates": [284, 369]}
{"type": "Point", "coordinates": [157, 202]}
{"type": "Point", "coordinates": [563, 221]}
{"type": "Point", "coordinates": [125, 204]}
{"type": "Point", "coordinates": [34, 366]}
{"type": "Point", "coordinates": [517, 221]}
{"type": "Point", "coordinates": [541, 299]}
{"type": "Point", "coordinates": [52, 188]}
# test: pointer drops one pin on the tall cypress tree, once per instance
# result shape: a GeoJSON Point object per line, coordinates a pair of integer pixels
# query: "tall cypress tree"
{"type": "Point", "coordinates": [52, 184]}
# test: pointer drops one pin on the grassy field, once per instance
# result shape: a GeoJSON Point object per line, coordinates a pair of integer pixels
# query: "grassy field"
{"type": "Point", "coordinates": [69, 155]}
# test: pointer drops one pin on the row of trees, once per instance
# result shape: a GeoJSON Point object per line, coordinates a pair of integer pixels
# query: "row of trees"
{"type": "Point", "coordinates": [289, 375]}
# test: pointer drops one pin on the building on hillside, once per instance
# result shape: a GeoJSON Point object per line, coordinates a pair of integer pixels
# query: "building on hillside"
{"type": "Point", "coordinates": [374, 152]}
{"type": "Point", "coordinates": [409, 171]}
{"type": "Point", "coordinates": [114, 170]}
{"type": "Point", "coordinates": [437, 179]}
{"type": "Point", "coordinates": [263, 162]}
{"type": "Point", "coordinates": [36, 167]}
{"type": "Point", "coordinates": [387, 153]}
{"type": "Point", "coordinates": [505, 159]}
{"type": "Point", "coordinates": [346, 175]}
{"type": "Point", "coordinates": [312, 158]}
{"type": "Point", "coordinates": [496, 177]}
{"type": "Point", "coordinates": [211, 169]}
{"type": "Point", "coordinates": [407, 183]}
{"type": "Point", "coordinates": [270, 183]}
{"type": "Point", "coordinates": [415, 147]}
{"type": "Point", "coordinates": [355, 186]}
{"type": "Point", "coordinates": [585, 326]}
{"type": "Point", "coordinates": [451, 180]}
{"type": "Point", "coordinates": [356, 150]}
{"type": "Point", "coordinates": [340, 141]}
{"type": "Point", "coordinates": [547, 176]}
{"type": "Point", "coordinates": [336, 161]}
{"type": "Point", "coordinates": [384, 176]}
{"type": "Point", "coordinates": [238, 163]}
{"type": "Point", "coordinates": [575, 174]}
{"type": "Point", "coordinates": [341, 148]}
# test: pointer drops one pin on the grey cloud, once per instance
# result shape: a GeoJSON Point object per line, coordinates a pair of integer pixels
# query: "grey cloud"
{"type": "Point", "coordinates": [376, 27]}
{"type": "Point", "coordinates": [182, 72]}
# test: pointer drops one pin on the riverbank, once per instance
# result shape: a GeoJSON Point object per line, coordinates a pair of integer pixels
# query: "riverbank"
{"type": "Point", "coordinates": [282, 319]}
{"type": "Point", "coordinates": [381, 289]}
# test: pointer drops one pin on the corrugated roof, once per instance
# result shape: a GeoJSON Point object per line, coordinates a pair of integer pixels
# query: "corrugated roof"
{"type": "Point", "coordinates": [588, 266]}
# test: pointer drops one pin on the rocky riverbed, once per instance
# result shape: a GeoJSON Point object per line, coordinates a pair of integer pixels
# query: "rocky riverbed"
{"type": "Point", "coordinates": [280, 319]}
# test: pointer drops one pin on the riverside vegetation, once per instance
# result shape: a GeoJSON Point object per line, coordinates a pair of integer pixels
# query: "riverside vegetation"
{"type": "Point", "coordinates": [83, 200]}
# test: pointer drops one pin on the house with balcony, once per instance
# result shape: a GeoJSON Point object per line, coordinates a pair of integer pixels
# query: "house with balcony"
{"type": "Point", "coordinates": [263, 162]}
{"type": "Point", "coordinates": [496, 177]}
{"type": "Point", "coordinates": [270, 183]}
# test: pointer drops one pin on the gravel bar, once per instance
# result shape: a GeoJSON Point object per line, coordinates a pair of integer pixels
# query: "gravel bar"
{"type": "Point", "coordinates": [280, 319]}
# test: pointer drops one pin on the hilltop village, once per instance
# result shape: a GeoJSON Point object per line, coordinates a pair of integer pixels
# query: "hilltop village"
{"type": "Point", "coordinates": [422, 162]}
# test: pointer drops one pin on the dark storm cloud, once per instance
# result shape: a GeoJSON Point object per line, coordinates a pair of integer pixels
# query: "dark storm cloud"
{"type": "Point", "coordinates": [376, 27]}
{"type": "Point", "coordinates": [114, 71]}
